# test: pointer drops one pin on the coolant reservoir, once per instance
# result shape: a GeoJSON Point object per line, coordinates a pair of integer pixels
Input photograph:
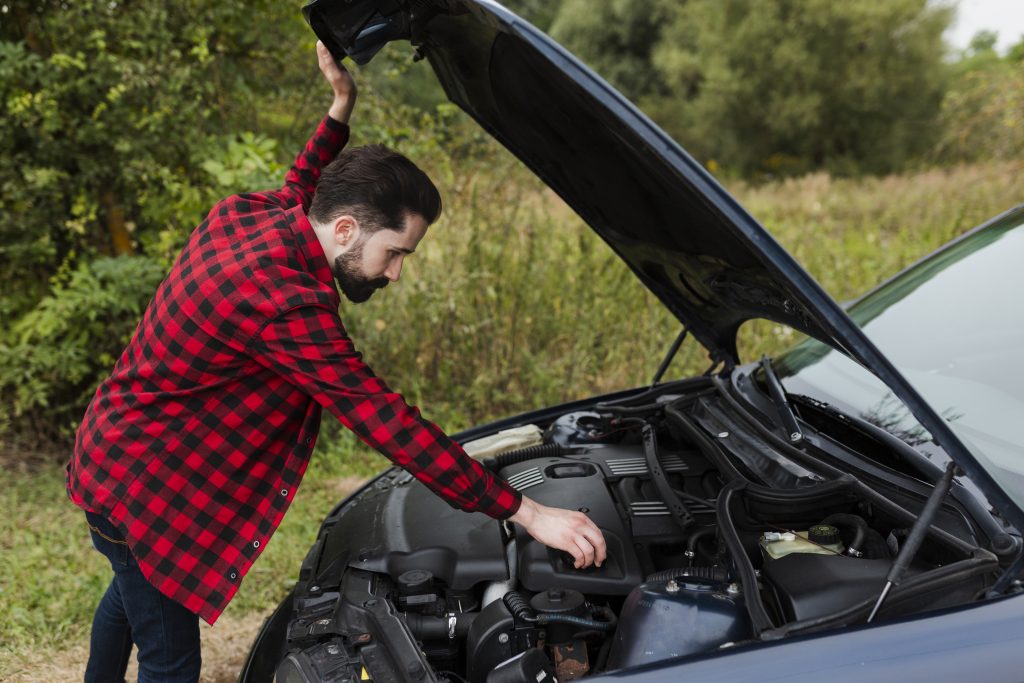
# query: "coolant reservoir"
{"type": "Point", "coordinates": [820, 539]}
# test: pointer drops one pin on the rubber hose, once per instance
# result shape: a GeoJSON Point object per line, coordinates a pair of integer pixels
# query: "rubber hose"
{"type": "Point", "coordinates": [519, 607]}
{"type": "Point", "coordinates": [543, 450]}
{"type": "Point", "coordinates": [695, 538]}
{"type": "Point", "coordinates": [857, 523]}
{"type": "Point", "coordinates": [699, 572]}
{"type": "Point", "coordinates": [578, 621]}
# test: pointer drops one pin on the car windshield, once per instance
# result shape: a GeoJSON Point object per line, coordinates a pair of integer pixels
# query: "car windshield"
{"type": "Point", "coordinates": [953, 325]}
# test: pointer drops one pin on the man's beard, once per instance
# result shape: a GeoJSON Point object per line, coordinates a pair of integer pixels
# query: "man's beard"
{"type": "Point", "coordinates": [356, 287]}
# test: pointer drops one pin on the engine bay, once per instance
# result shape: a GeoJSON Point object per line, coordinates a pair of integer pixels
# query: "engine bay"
{"type": "Point", "coordinates": [715, 539]}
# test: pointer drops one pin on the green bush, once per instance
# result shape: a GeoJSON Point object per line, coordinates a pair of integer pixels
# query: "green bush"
{"type": "Point", "coordinates": [53, 357]}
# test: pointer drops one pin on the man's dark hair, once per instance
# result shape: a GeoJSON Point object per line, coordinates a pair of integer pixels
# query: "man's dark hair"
{"type": "Point", "coordinates": [378, 186]}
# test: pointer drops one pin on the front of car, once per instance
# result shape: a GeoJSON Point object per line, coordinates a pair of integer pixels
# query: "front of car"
{"type": "Point", "coordinates": [780, 519]}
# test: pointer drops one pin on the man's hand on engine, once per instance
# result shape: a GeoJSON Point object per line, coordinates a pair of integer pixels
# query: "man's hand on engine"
{"type": "Point", "coordinates": [567, 530]}
{"type": "Point", "coordinates": [341, 81]}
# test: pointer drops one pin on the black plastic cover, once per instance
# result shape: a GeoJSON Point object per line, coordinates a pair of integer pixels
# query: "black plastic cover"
{"type": "Point", "coordinates": [546, 480]}
{"type": "Point", "coordinates": [400, 525]}
{"type": "Point", "coordinates": [808, 585]}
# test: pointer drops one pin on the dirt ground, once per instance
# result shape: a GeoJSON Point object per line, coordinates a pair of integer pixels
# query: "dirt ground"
{"type": "Point", "coordinates": [224, 648]}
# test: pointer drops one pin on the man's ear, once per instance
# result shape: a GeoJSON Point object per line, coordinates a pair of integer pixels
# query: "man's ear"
{"type": "Point", "coordinates": [346, 231]}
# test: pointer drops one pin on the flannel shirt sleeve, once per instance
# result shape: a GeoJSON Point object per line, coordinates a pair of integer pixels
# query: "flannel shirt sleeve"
{"type": "Point", "coordinates": [300, 182]}
{"type": "Point", "coordinates": [309, 348]}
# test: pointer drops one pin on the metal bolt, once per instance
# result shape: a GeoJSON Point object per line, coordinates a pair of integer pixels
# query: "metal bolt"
{"type": "Point", "coordinates": [314, 589]}
{"type": "Point", "coordinates": [732, 589]}
{"type": "Point", "coordinates": [333, 649]}
{"type": "Point", "coordinates": [672, 586]}
{"type": "Point", "coordinates": [323, 622]}
{"type": "Point", "coordinates": [502, 638]}
{"type": "Point", "coordinates": [722, 435]}
{"type": "Point", "coordinates": [370, 603]}
{"type": "Point", "coordinates": [796, 436]}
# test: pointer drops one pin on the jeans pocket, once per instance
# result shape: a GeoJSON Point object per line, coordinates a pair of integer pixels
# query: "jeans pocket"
{"type": "Point", "coordinates": [108, 540]}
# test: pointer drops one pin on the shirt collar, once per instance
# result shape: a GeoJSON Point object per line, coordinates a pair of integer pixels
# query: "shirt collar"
{"type": "Point", "coordinates": [310, 250]}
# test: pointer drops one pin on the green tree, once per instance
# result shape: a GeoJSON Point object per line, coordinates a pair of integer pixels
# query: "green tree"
{"type": "Point", "coordinates": [983, 111]}
{"type": "Point", "coordinates": [774, 87]}
{"type": "Point", "coordinates": [798, 84]}
{"type": "Point", "coordinates": [616, 38]}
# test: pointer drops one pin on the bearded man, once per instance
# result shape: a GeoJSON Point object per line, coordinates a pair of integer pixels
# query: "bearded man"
{"type": "Point", "coordinates": [191, 451]}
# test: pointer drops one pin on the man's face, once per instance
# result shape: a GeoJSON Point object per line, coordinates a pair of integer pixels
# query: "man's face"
{"type": "Point", "coordinates": [373, 260]}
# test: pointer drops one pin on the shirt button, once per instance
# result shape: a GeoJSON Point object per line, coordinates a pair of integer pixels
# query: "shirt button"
{"type": "Point", "coordinates": [309, 440]}
{"type": "Point", "coordinates": [284, 492]}
{"type": "Point", "coordinates": [255, 544]}
{"type": "Point", "coordinates": [233, 575]}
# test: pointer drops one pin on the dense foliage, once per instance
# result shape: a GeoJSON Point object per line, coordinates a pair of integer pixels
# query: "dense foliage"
{"type": "Point", "coordinates": [775, 87]}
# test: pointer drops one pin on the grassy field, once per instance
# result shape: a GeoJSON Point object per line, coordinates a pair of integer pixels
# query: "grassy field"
{"type": "Point", "coordinates": [511, 304]}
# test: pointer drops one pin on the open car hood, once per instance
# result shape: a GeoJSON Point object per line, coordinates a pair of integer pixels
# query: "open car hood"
{"type": "Point", "coordinates": [672, 223]}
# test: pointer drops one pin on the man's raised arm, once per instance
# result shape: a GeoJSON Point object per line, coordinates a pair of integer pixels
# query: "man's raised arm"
{"type": "Point", "coordinates": [330, 136]}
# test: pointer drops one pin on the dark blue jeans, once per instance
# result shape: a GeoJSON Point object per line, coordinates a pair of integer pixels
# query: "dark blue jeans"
{"type": "Point", "coordinates": [131, 612]}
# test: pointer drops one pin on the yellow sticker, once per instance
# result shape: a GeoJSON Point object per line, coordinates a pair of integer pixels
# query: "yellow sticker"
{"type": "Point", "coordinates": [365, 676]}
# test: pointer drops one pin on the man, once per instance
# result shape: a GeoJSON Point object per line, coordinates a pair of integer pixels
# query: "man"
{"type": "Point", "coordinates": [191, 451]}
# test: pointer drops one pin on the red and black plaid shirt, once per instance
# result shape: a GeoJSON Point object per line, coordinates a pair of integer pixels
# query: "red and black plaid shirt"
{"type": "Point", "coordinates": [196, 443]}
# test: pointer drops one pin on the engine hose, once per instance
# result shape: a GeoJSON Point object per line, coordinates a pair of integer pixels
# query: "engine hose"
{"type": "Point", "coordinates": [855, 522]}
{"type": "Point", "coordinates": [522, 611]}
{"type": "Point", "coordinates": [696, 537]}
{"type": "Point", "coordinates": [543, 450]}
{"type": "Point", "coordinates": [578, 621]}
{"type": "Point", "coordinates": [519, 607]}
{"type": "Point", "coordinates": [707, 573]}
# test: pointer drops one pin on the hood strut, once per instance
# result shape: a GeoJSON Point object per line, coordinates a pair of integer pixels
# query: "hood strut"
{"type": "Point", "coordinates": [917, 533]}
{"type": "Point", "coordinates": [672, 351]}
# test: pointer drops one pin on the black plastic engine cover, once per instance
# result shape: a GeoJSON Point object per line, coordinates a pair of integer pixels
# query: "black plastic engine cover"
{"type": "Point", "coordinates": [398, 525]}
{"type": "Point", "coordinates": [576, 483]}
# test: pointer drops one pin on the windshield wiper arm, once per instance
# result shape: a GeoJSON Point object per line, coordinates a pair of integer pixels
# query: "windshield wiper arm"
{"type": "Point", "coordinates": [778, 396]}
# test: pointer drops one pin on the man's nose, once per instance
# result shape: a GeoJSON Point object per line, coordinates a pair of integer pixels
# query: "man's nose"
{"type": "Point", "coordinates": [394, 270]}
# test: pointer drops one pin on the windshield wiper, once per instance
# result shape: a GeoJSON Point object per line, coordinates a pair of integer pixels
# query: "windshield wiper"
{"type": "Point", "coordinates": [778, 397]}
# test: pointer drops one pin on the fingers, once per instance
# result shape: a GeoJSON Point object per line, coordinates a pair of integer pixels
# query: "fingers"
{"type": "Point", "coordinates": [596, 539]}
{"type": "Point", "coordinates": [590, 547]}
{"type": "Point", "coordinates": [585, 553]}
{"type": "Point", "coordinates": [328, 66]}
{"type": "Point", "coordinates": [571, 531]}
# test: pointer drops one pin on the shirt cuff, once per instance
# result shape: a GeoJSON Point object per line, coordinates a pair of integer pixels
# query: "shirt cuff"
{"type": "Point", "coordinates": [336, 126]}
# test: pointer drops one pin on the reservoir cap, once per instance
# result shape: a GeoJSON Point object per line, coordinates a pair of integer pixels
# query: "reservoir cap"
{"type": "Point", "coordinates": [823, 534]}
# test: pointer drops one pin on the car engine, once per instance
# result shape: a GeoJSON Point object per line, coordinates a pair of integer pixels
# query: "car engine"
{"type": "Point", "coordinates": [714, 540]}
